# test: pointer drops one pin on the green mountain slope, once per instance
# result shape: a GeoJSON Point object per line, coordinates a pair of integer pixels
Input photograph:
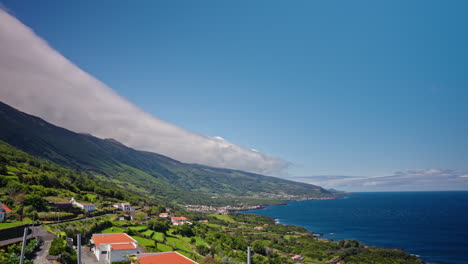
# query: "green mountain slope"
{"type": "Point", "coordinates": [149, 174]}
{"type": "Point", "coordinates": [25, 177]}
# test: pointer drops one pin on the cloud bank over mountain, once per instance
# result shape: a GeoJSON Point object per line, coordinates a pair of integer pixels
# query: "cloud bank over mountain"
{"type": "Point", "coordinates": [38, 80]}
{"type": "Point", "coordinates": [411, 180]}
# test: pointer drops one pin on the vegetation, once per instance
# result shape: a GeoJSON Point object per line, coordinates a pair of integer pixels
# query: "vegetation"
{"type": "Point", "coordinates": [28, 184]}
{"type": "Point", "coordinates": [149, 174]}
{"type": "Point", "coordinates": [11, 254]}
{"type": "Point", "coordinates": [60, 247]}
{"type": "Point", "coordinates": [227, 241]}
{"type": "Point", "coordinates": [105, 171]}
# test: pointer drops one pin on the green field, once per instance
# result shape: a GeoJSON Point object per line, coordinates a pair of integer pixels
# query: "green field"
{"type": "Point", "coordinates": [178, 243]}
{"type": "Point", "coordinates": [138, 228]}
{"type": "Point", "coordinates": [199, 241]}
{"type": "Point", "coordinates": [14, 223]}
{"type": "Point", "coordinates": [148, 233]}
{"type": "Point", "coordinates": [144, 242]}
{"type": "Point", "coordinates": [113, 229]}
{"type": "Point", "coordinates": [91, 197]}
{"type": "Point", "coordinates": [164, 248]}
{"type": "Point", "coordinates": [158, 236]}
{"type": "Point", "coordinates": [226, 218]}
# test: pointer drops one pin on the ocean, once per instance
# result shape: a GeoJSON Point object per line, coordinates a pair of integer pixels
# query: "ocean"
{"type": "Point", "coordinates": [431, 225]}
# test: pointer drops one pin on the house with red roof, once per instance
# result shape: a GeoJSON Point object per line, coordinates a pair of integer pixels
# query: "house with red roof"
{"type": "Point", "coordinates": [162, 258]}
{"type": "Point", "coordinates": [3, 211]}
{"type": "Point", "coordinates": [113, 247]}
{"type": "Point", "coordinates": [179, 220]}
{"type": "Point", "coordinates": [164, 215]}
{"type": "Point", "coordinates": [87, 207]}
{"type": "Point", "coordinates": [258, 228]}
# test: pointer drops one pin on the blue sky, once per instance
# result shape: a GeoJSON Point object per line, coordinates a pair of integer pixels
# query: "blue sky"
{"type": "Point", "coordinates": [355, 88]}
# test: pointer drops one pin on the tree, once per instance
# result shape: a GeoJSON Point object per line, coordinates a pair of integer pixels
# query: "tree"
{"type": "Point", "coordinates": [158, 226]}
{"type": "Point", "coordinates": [184, 230]}
{"type": "Point", "coordinates": [203, 250]}
{"type": "Point", "coordinates": [36, 202]}
{"type": "Point", "coordinates": [258, 248]}
{"type": "Point", "coordinates": [140, 216]}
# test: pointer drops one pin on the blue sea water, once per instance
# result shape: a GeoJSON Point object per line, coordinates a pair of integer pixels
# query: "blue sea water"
{"type": "Point", "coordinates": [432, 225]}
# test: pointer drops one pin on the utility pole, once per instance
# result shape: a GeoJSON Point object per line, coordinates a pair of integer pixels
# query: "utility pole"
{"type": "Point", "coordinates": [23, 249]}
{"type": "Point", "coordinates": [249, 256]}
{"type": "Point", "coordinates": [78, 248]}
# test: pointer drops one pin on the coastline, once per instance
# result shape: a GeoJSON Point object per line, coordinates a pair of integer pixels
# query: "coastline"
{"type": "Point", "coordinates": [317, 236]}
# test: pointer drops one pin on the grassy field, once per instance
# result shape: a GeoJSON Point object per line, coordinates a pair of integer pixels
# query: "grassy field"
{"type": "Point", "coordinates": [226, 218]}
{"type": "Point", "coordinates": [91, 197]}
{"type": "Point", "coordinates": [148, 233]}
{"type": "Point", "coordinates": [199, 241]}
{"type": "Point", "coordinates": [164, 248]}
{"type": "Point", "coordinates": [179, 243]}
{"type": "Point", "coordinates": [143, 241]}
{"type": "Point", "coordinates": [138, 228]}
{"type": "Point", "coordinates": [158, 236]}
{"type": "Point", "coordinates": [14, 223]}
{"type": "Point", "coordinates": [113, 229]}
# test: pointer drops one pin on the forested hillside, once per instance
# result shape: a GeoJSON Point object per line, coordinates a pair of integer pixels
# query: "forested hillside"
{"type": "Point", "coordinates": [149, 174]}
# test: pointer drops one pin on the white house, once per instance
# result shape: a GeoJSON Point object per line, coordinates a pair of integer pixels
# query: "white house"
{"type": "Point", "coordinates": [3, 211]}
{"type": "Point", "coordinates": [164, 215]}
{"type": "Point", "coordinates": [87, 207]}
{"type": "Point", "coordinates": [124, 207]}
{"type": "Point", "coordinates": [179, 220]}
{"type": "Point", "coordinates": [113, 247]}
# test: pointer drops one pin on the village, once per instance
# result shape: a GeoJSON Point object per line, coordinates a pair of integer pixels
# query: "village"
{"type": "Point", "coordinates": [132, 233]}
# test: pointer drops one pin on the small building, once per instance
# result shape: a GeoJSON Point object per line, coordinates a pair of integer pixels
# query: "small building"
{"type": "Point", "coordinates": [87, 207]}
{"type": "Point", "coordinates": [162, 258]}
{"type": "Point", "coordinates": [124, 207]}
{"type": "Point", "coordinates": [164, 215]}
{"type": "Point", "coordinates": [297, 257]}
{"type": "Point", "coordinates": [258, 228]}
{"type": "Point", "coordinates": [179, 220]}
{"type": "Point", "coordinates": [113, 247]}
{"type": "Point", "coordinates": [3, 211]}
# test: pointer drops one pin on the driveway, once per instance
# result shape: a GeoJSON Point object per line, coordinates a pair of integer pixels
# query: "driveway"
{"type": "Point", "coordinates": [87, 256]}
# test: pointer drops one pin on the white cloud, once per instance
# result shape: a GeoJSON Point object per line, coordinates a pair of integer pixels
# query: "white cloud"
{"type": "Point", "coordinates": [38, 80]}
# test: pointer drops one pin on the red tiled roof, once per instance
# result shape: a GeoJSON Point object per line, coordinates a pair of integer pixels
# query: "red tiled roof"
{"type": "Point", "coordinates": [178, 218]}
{"type": "Point", "coordinates": [5, 208]}
{"type": "Point", "coordinates": [123, 246]}
{"type": "Point", "coordinates": [98, 239]}
{"type": "Point", "coordinates": [164, 258]}
{"type": "Point", "coordinates": [83, 203]}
